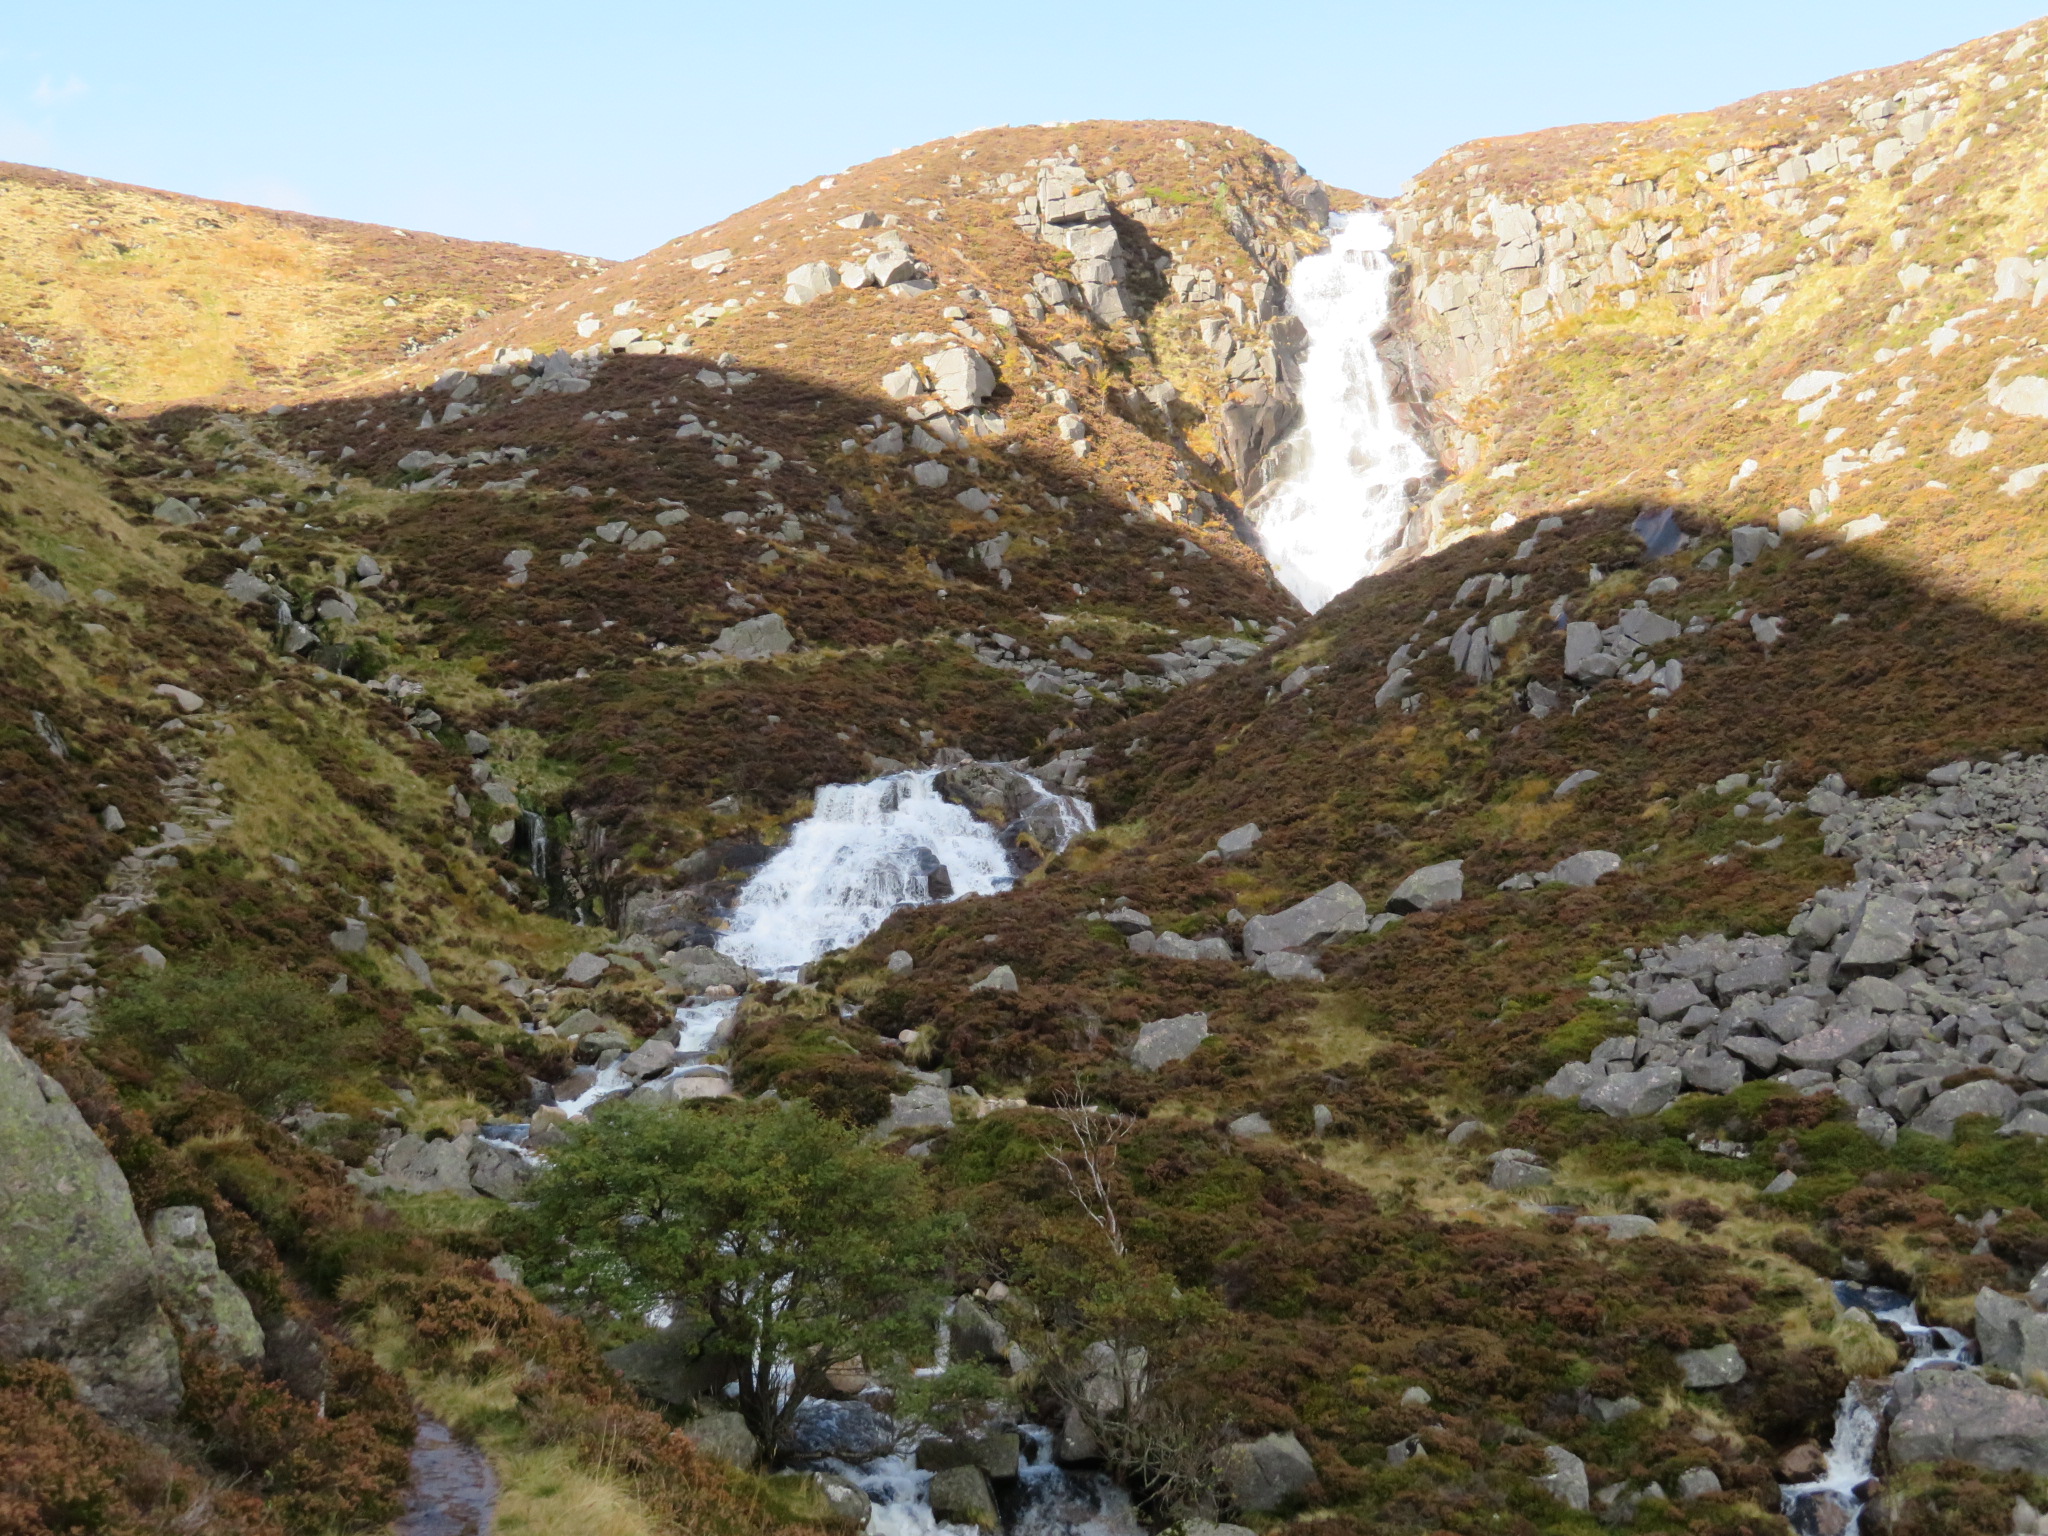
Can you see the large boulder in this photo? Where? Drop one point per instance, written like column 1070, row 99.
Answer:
column 1704, row 1369
column 962, row 1496
column 1263, row 1474
column 1434, row 885
column 196, row 1291
column 1334, row 910
column 1167, row 1040
column 976, row 1333
column 1634, row 1095
column 2012, row 1336
column 1983, row 1097
column 1566, row 1480
column 1882, row 939
column 77, row 1278
column 1958, row 1415
column 725, row 1437
column 1034, row 823
column 754, row 639
column 415, row 1166
column 673, row 1367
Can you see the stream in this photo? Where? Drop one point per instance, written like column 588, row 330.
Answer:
column 453, row 1487
column 1829, row 1505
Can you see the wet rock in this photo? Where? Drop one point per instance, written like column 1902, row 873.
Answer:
column 847, row 1506
column 1944, row 1415
column 1334, row 910
column 1167, row 1040
column 194, row 1289
column 77, row 1278
column 1261, row 1475
column 1705, row 1369
column 1434, row 885
column 962, row 1496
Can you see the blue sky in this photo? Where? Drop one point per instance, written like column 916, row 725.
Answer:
column 607, row 128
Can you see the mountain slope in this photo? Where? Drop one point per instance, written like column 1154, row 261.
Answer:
column 136, row 298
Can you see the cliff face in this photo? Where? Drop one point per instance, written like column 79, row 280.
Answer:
column 1811, row 308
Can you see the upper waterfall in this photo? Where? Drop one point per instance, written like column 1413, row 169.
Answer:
column 1338, row 514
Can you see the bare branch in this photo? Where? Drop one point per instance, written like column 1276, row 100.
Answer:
column 1087, row 1158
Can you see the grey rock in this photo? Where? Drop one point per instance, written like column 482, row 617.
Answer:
column 1883, row 936
column 724, row 1437
column 648, row 1059
column 848, row 1504
column 415, row 1166
column 1251, row 1126
column 1583, row 869
column 2029, row 1121
column 1781, row 1183
column 976, row 1333
column 1758, row 1051
column 1286, row 965
column 926, row 1105
column 1633, row 1095
column 1669, row 1002
column 1958, row 1415
column 1566, row 1480
column 999, row 979
column 1984, row 1097
column 1877, row 1125
column 754, row 639
column 961, row 378
column 1856, row 1038
column 1517, row 1169
column 77, row 1279
column 177, row 513
column 1166, row 1040
column 1573, row 782
column 497, row 1170
column 195, row 1291
column 1697, row 1482
column 1708, row 1071
column 1238, row 840
column 1334, row 910
column 2025, row 959
column 585, row 969
column 962, row 1496
column 900, row 962
column 1572, row 1079
column 1434, row 885
column 1765, row 973
column 1261, row 1475
column 2012, row 1336
column 1619, row 1228
column 1704, row 1369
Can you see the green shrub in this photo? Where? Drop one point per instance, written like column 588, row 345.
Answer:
column 262, row 1035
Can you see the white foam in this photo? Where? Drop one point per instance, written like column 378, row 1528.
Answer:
column 1339, row 513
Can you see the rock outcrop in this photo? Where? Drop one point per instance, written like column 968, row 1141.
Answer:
column 77, row 1279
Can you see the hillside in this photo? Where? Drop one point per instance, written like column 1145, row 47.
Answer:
column 133, row 298
column 1813, row 309
column 1534, row 1046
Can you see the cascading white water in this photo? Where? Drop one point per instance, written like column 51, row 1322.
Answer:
column 1861, row 1415
column 866, row 850
column 1339, row 512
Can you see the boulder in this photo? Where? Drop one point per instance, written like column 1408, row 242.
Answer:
column 1583, row 869
column 1334, row 910
column 1515, row 1168
column 812, row 280
column 1566, row 1480
column 1882, row 939
column 496, row 1169
column 1165, row 1040
column 1633, row 1095
column 1286, row 965
column 1984, row 1097
column 962, row 1496
column 1708, row 1071
column 961, row 378
column 1434, row 885
column 77, row 1278
column 648, row 1059
column 1856, row 1038
column 1697, row 1483
column 1001, row 978
column 847, row 1506
column 724, row 1437
column 1076, row 1442
column 672, row 1367
column 1959, row 1416
column 754, row 639
column 1721, row 1366
column 2012, row 1336
column 585, row 969
column 415, row 1166
column 975, row 1332
column 1238, row 840
column 1261, row 1475
column 194, row 1289
column 926, row 1105
column 1619, row 1228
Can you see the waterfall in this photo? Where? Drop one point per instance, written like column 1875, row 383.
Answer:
column 866, row 850
column 1339, row 511
column 1830, row 1504
column 536, row 844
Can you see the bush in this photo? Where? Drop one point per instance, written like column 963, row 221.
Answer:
column 262, row 1035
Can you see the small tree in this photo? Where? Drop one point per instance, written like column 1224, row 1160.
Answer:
column 778, row 1233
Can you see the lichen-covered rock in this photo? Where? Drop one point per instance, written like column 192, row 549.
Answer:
column 194, row 1289
column 77, row 1280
